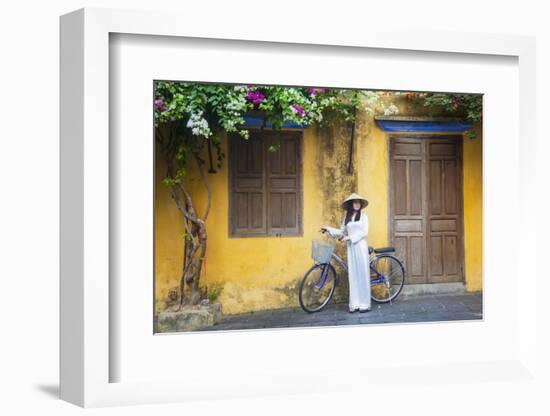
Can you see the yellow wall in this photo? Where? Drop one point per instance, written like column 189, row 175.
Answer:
column 373, row 176
column 262, row 273
column 473, row 205
column 255, row 272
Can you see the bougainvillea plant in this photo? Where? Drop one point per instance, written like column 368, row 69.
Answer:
column 191, row 116
column 463, row 106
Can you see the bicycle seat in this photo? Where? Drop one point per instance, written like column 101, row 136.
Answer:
column 383, row 250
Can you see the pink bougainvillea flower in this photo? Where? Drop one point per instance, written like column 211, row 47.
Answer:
column 316, row 91
column 159, row 105
column 256, row 97
column 298, row 109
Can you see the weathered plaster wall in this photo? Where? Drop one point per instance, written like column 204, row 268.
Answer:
column 263, row 273
column 256, row 273
column 473, row 210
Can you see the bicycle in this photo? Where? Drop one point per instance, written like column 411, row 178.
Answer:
column 387, row 276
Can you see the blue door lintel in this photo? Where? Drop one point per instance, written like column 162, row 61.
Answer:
column 421, row 124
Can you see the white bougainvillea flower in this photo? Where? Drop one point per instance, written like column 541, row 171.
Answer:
column 199, row 125
column 390, row 110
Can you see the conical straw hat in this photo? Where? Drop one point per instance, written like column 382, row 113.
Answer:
column 352, row 197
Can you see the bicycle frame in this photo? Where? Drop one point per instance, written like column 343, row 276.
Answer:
column 323, row 278
column 376, row 281
column 378, row 276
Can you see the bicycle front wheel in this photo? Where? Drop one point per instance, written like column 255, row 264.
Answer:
column 317, row 287
column 387, row 278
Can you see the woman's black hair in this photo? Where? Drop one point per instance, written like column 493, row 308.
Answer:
column 349, row 213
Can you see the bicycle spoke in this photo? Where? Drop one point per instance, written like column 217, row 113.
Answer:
column 317, row 288
column 389, row 271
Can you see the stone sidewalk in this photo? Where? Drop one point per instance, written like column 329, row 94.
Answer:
column 424, row 308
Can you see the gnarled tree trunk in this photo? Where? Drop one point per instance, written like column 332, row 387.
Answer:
column 194, row 225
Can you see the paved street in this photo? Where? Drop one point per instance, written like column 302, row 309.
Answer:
column 425, row 308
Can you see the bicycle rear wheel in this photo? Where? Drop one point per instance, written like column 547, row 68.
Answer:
column 317, row 287
column 387, row 278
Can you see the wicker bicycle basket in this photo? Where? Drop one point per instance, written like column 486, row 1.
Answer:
column 321, row 251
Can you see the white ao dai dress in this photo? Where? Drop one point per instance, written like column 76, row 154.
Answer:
column 358, row 260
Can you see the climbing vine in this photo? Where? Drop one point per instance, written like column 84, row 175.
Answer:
column 465, row 106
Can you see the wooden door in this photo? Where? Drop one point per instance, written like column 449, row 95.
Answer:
column 445, row 210
column 408, row 206
column 426, row 207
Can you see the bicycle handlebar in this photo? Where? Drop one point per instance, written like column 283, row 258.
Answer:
column 323, row 231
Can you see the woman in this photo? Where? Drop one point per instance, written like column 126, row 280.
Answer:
column 354, row 230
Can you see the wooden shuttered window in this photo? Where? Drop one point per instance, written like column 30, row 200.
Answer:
column 265, row 187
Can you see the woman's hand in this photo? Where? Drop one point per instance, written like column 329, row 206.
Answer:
column 346, row 238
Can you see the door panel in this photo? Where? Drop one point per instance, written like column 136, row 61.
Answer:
column 436, row 257
column 450, row 256
column 445, row 211
column 426, row 207
column 450, row 187
column 408, row 207
column 415, row 187
column 416, row 256
column 435, row 187
column 400, row 186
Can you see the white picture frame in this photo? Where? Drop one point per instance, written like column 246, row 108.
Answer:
column 85, row 353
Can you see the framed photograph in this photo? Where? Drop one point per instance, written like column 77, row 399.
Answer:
column 237, row 208
column 247, row 176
